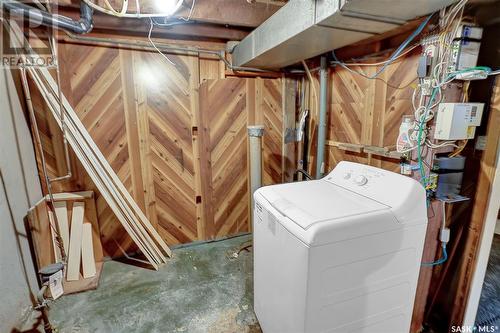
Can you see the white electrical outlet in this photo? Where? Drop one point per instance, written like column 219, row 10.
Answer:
column 457, row 121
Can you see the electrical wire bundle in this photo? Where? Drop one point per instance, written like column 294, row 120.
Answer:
column 424, row 103
column 441, row 75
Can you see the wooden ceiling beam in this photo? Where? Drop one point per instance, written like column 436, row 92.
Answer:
column 140, row 27
column 240, row 13
column 231, row 12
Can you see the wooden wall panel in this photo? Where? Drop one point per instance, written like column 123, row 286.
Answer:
column 369, row 112
column 271, row 107
column 225, row 118
column 179, row 148
column 166, row 100
column 349, row 98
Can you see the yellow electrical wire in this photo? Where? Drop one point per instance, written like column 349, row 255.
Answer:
column 459, row 149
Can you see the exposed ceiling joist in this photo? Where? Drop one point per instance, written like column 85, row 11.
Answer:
column 231, row 12
column 239, row 13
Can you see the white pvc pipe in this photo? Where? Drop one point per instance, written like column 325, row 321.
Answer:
column 323, row 107
column 255, row 155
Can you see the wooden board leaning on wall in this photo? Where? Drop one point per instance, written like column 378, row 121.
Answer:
column 148, row 127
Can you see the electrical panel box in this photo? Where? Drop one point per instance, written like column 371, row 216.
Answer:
column 465, row 47
column 457, row 121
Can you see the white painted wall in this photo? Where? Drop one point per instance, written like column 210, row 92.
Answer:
column 19, row 190
column 497, row 228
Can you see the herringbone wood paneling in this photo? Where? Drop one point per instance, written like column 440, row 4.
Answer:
column 181, row 153
column 272, row 142
column 347, row 113
column 369, row 112
column 225, row 120
column 166, row 100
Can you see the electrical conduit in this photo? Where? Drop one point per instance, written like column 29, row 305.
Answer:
column 39, row 17
column 323, row 93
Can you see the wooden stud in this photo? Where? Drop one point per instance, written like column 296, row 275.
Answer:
column 205, row 161
column 144, row 145
column 194, row 83
column 132, row 126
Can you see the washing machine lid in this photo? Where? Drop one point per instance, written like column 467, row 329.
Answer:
column 310, row 202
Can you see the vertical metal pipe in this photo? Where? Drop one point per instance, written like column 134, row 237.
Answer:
column 323, row 93
column 255, row 155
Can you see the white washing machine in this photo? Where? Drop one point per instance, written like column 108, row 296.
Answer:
column 341, row 254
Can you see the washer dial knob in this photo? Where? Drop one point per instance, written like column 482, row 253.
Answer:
column 360, row 180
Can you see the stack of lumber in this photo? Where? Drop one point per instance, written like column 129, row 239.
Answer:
column 105, row 179
column 79, row 230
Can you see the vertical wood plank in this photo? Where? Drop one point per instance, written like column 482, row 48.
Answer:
column 75, row 242
column 205, row 163
column 41, row 234
column 131, row 127
column 88, row 260
column 194, row 83
column 272, row 141
column 61, row 211
column 144, row 143
column 55, row 245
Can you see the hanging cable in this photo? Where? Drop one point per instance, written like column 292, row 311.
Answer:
column 190, row 12
column 313, row 87
column 399, row 57
column 153, row 44
column 393, row 57
column 444, row 237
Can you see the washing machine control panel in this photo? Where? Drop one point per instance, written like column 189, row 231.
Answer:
column 357, row 176
column 389, row 188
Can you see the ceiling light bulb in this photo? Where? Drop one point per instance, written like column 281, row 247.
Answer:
column 167, row 7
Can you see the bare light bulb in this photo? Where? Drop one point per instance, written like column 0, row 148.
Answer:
column 168, row 7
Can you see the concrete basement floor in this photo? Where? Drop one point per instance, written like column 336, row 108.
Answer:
column 202, row 289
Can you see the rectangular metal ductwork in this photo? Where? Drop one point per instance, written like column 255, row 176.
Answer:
column 306, row 28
